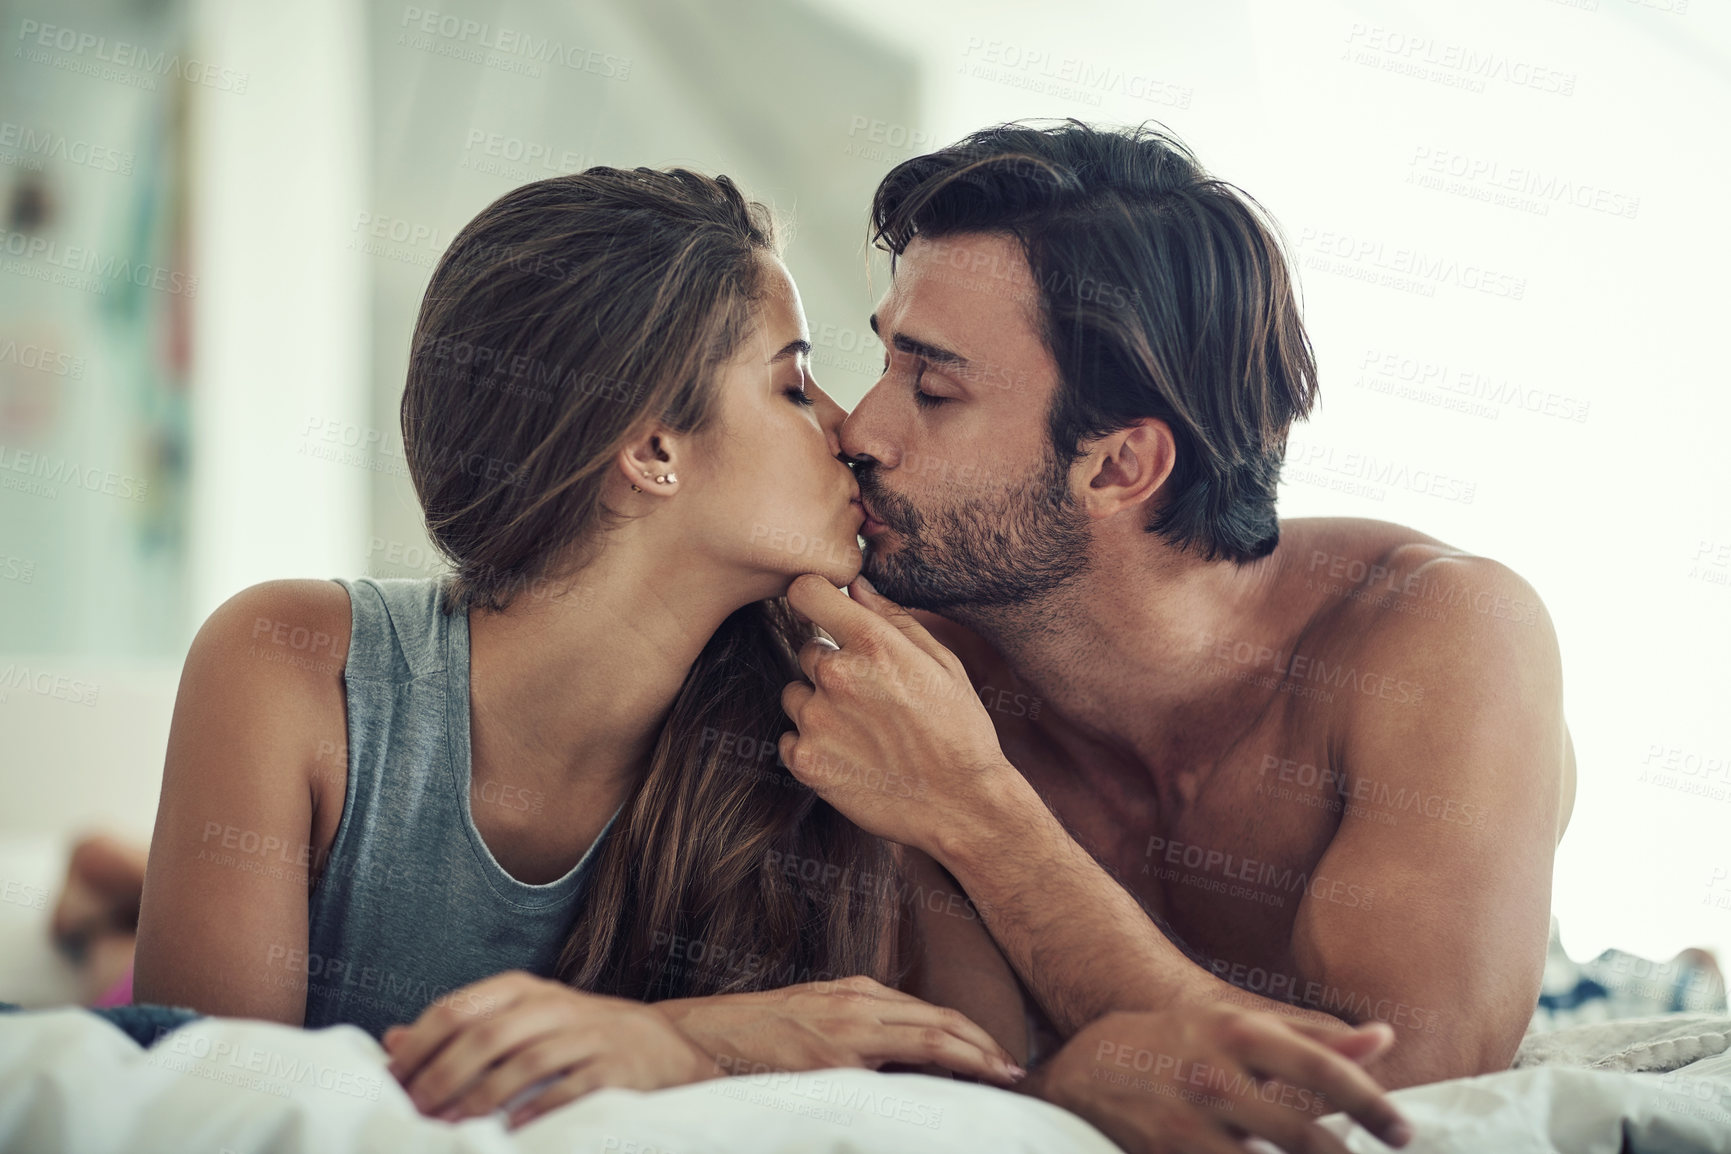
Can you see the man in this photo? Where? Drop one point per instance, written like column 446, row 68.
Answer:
column 1189, row 754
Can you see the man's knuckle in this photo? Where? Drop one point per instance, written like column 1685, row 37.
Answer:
column 830, row 673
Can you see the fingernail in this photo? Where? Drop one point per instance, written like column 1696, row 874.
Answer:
column 866, row 584
column 1399, row 1134
column 449, row 1115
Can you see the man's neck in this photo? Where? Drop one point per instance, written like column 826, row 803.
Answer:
column 1117, row 653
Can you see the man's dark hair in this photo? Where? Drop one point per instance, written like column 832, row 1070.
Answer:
column 1163, row 292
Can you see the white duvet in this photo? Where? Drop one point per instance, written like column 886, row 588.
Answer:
column 71, row 1082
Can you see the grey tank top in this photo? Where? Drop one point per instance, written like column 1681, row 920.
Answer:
column 412, row 906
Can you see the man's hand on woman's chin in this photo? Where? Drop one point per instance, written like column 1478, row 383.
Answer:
column 889, row 729
column 1201, row 1079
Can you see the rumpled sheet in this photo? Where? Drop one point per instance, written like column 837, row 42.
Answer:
column 71, row 1082
column 1660, row 1084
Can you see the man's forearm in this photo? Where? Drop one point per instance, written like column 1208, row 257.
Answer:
column 1083, row 946
column 1080, row 943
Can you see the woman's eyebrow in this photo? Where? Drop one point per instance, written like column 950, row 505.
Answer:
column 799, row 348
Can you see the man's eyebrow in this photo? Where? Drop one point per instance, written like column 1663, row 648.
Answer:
column 799, row 348
column 936, row 354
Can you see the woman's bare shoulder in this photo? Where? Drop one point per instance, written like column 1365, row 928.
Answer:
column 298, row 626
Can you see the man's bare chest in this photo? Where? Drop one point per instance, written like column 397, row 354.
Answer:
column 1223, row 853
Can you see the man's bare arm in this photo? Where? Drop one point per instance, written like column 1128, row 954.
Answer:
column 1452, row 817
column 1450, row 820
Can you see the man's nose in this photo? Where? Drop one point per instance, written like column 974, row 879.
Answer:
column 861, row 436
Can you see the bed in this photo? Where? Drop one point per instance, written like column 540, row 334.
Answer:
column 69, row 1081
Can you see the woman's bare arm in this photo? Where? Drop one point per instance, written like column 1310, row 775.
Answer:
column 223, row 923
column 956, row 963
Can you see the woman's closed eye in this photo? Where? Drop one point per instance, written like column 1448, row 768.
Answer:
column 798, row 394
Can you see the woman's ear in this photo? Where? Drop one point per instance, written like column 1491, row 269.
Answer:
column 649, row 463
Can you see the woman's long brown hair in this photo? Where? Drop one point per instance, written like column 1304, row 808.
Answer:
column 565, row 317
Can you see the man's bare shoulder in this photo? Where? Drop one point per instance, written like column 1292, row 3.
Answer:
column 1435, row 647
column 1378, row 583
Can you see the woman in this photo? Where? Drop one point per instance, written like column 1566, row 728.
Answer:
column 551, row 765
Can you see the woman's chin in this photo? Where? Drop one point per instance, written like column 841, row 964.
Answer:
column 837, row 571
column 839, row 567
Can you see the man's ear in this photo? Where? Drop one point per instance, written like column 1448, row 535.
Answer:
column 650, row 462
column 1128, row 467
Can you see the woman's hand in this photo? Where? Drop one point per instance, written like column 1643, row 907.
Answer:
column 457, row 1063
column 1199, row 1079
column 852, row 1022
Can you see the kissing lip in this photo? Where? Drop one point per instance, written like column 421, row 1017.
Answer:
column 871, row 524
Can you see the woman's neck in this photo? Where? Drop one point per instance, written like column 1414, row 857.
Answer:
column 571, row 683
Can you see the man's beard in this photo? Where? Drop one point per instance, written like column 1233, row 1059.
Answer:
column 979, row 551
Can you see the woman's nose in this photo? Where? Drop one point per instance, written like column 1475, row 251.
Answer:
column 830, row 416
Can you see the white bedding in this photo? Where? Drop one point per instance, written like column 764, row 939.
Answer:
column 71, row 1082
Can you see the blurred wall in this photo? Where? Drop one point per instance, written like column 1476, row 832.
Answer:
column 1508, row 217
column 763, row 92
